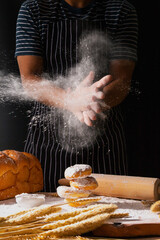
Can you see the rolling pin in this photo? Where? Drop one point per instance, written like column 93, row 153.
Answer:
column 141, row 188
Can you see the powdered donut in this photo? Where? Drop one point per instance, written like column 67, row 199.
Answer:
column 77, row 171
column 88, row 183
column 68, row 192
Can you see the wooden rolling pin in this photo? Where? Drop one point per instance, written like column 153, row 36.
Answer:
column 142, row 188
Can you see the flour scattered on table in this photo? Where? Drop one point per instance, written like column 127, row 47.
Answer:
column 8, row 207
column 136, row 209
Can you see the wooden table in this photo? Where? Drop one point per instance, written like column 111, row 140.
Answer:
column 11, row 206
column 147, row 238
column 99, row 238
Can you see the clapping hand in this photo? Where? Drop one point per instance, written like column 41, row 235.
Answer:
column 87, row 100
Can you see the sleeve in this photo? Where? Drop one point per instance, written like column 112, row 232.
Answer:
column 28, row 40
column 124, row 45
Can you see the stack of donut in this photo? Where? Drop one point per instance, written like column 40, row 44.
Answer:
column 81, row 182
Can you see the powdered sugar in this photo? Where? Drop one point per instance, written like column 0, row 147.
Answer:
column 69, row 192
column 85, row 181
column 77, row 168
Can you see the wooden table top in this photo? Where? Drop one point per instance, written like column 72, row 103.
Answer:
column 106, row 238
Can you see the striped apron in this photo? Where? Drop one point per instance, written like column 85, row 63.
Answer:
column 56, row 137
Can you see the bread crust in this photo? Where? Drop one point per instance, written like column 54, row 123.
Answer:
column 6, row 164
column 19, row 172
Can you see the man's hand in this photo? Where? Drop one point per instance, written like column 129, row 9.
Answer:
column 117, row 89
column 97, row 106
column 87, row 95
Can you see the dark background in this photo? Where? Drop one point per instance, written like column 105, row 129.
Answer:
column 142, row 106
column 13, row 116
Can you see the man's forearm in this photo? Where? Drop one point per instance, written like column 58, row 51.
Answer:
column 121, row 72
column 116, row 92
column 79, row 99
column 44, row 91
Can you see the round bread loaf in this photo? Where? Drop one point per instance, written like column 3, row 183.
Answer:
column 20, row 172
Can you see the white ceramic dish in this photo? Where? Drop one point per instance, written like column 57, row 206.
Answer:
column 27, row 200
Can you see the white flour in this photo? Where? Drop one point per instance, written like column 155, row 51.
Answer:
column 136, row 210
